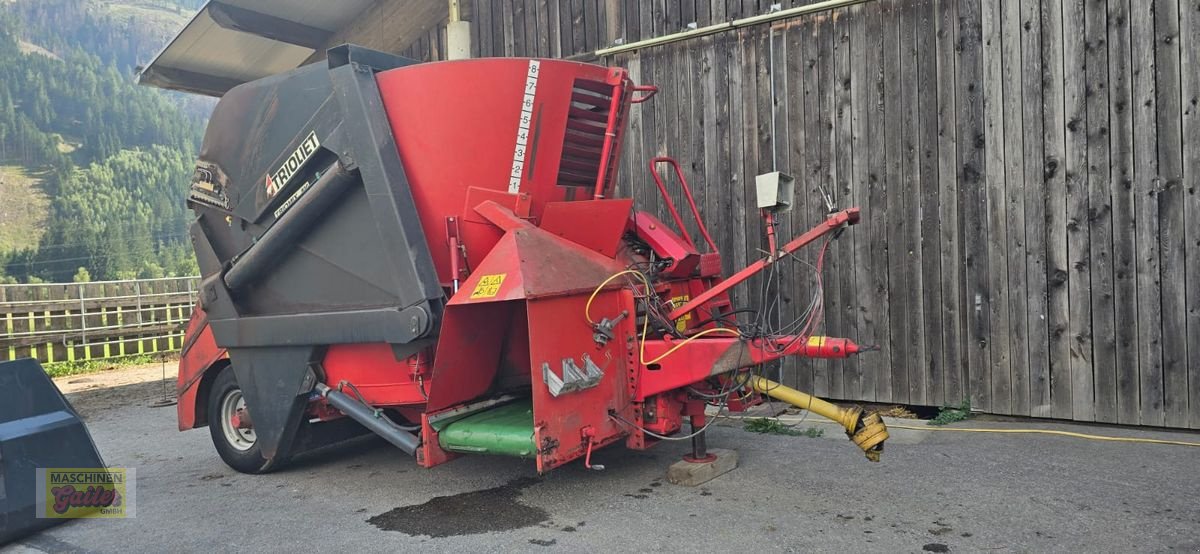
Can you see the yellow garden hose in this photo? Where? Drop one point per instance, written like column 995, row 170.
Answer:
column 1085, row 436
column 1049, row 432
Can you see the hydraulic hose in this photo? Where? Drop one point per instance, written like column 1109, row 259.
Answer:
column 371, row 419
column 867, row 431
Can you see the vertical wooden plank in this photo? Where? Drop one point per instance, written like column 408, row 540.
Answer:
column 755, row 144
column 713, row 180
column 686, row 123
column 673, row 23
column 822, row 185
column 1190, row 52
column 603, row 28
column 723, row 60
column 633, row 152
column 999, row 371
column 532, row 36
column 1146, row 185
column 1171, row 198
column 1078, row 228
column 703, row 13
column 810, row 371
column 1120, row 78
column 555, row 17
column 483, row 16
column 713, row 196
column 687, row 12
column 632, row 14
column 796, row 98
column 713, row 10
column 520, row 45
column 584, row 13
column 894, row 186
column 544, row 28
column 1035, row 209
column 506, row 36
column 910, row 203
column 477, row 30
column 1014, row 208
column 1100, row 212
column 703, row 112
column 614, row 17
column 974, row 201
column 1054, row 125
column 565, row 30
column 737, row 132
column 877, row 224
column 848, row 372
column 831, row 279
column 952, row 306
column 927, row 205
column 577, row 29
column 865, row 298
column 783, row 61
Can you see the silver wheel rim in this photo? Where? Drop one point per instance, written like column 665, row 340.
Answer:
column 240, row 439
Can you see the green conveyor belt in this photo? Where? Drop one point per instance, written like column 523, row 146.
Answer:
column 506, row 430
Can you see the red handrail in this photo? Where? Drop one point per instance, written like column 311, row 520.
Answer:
column 650, row 91
column 687, row 192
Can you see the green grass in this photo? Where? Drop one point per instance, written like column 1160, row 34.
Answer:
column 80, row 367
column 775, row 427
column 952, row 414
column 24, row 209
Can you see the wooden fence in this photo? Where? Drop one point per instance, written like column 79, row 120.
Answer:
column 60, row 322
column 1027, row 170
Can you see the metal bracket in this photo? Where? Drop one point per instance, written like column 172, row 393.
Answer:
column 573, row 378
column 603, row 331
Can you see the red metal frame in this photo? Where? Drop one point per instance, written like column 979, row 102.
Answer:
column 687, row 191
column 832, row 223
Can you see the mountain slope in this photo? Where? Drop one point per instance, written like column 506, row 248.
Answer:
column 115, row 159
column 24, row 209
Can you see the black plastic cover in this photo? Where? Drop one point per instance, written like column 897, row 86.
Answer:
column 38, row 429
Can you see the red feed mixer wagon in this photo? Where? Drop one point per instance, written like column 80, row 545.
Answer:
column 432, row 252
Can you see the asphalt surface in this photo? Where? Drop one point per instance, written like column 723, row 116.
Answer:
column 933, row 492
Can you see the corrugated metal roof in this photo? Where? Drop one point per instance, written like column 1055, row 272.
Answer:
column 230, row 42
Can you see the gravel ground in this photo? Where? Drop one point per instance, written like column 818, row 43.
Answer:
column 933, row 492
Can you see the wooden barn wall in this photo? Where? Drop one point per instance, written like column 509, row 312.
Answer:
column 1027, row 171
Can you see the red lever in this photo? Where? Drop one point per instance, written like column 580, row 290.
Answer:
column 590, row 434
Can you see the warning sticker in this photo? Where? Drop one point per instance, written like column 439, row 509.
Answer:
column 489, row 286
column 682, row 323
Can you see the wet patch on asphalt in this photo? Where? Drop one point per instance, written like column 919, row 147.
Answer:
column 469, row 513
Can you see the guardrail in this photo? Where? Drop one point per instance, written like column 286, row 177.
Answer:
column 60, row 322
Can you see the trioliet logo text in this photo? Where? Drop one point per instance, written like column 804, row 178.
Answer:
column 280, row 177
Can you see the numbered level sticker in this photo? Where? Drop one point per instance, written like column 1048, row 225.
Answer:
column 489, row 286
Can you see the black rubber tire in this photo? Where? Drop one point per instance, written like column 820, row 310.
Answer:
column 246, row 461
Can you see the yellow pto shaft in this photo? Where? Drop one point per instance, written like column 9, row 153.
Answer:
column 866, row 431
